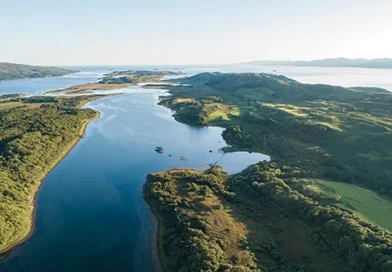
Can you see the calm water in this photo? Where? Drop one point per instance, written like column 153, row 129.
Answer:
column 40, row 85
column 91, row 215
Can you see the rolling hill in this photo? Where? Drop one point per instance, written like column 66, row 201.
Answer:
column 10, row 71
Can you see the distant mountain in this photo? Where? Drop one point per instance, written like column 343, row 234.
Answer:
column 10, row 71
column 331, row 62
column 371, row 89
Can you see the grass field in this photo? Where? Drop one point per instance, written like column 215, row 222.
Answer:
column 218, row 111
column 369, row 205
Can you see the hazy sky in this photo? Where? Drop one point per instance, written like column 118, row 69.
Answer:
column 191, row 31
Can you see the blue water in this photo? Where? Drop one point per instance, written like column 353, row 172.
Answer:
column 91, row 215
column 38, row 86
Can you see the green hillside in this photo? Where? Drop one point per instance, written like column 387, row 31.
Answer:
column 314, row 133
column 9, row 71
column 339, row 133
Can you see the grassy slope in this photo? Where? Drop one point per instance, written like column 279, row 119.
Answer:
column 35, row 134
column 10, row 71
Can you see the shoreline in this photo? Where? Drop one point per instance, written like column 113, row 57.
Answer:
column 7, row 250
column 156, row 254
column 156, row 250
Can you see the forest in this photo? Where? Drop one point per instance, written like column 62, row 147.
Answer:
column 259, row 220
column 35, row 134
column 315, row 134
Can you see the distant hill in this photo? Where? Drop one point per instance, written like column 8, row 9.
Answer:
column 331, row 62
column 269, row 87
column 371, row 90
column 10, row 71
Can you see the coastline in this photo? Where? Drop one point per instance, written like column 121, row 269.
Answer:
column 155, row 248
column 157, row 256
column 7, row 250
column 159, row 263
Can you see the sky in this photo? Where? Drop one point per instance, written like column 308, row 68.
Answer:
column 121, row 32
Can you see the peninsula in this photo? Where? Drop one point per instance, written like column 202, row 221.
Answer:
column 10, row 71
column 322, row 201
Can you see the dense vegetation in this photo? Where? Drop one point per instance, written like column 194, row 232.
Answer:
column 263, row 218
column 361, row 245
column 35, row 133
column 207, row 226
column 335, row 132
column 10, row 71
column 312, row 132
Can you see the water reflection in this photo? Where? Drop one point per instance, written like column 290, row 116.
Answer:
column 91, row 215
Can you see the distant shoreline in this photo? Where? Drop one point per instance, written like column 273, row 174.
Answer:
column 15, row 71
column 384, row 63
column 27, row 78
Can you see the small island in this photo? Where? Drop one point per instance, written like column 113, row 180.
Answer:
column 159, row 149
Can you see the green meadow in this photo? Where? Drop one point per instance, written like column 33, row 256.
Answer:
column 369, row 205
